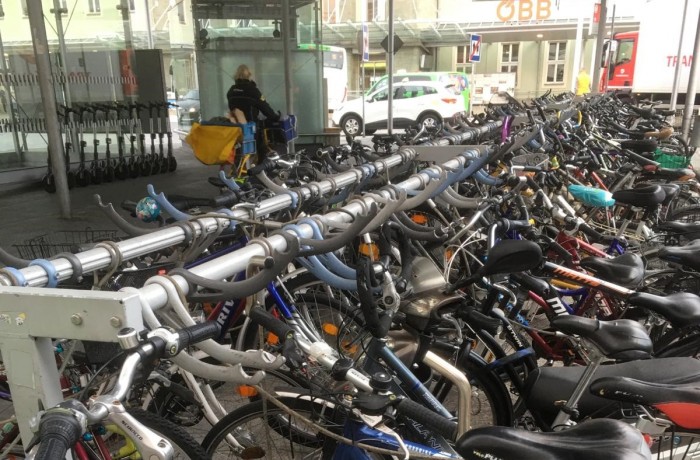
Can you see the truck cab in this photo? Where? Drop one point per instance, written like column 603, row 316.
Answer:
column 619, row 58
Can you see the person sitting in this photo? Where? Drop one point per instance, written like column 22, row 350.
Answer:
column 246, row 103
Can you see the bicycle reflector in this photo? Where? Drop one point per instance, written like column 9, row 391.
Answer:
column 369, row 250
column 246, row 391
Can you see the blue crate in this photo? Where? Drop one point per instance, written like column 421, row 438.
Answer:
column 248, row 146
column 286, row 127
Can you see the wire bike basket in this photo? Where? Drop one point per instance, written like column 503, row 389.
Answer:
column 50, row 244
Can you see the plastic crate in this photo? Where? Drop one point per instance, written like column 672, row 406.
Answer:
column 285, row 129
column 248, row 147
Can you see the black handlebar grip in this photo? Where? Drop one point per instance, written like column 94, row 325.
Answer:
column 58, row 432
column 267, row 320
column 591, row 232
column 198, row 333
column 225, row 200
column 424, row 416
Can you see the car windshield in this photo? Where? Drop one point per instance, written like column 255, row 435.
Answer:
column 192, row 94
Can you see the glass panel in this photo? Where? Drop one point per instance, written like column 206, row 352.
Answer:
column 505, row 53
column 505, row 68
column 460, row 54
column 515, row 50
column 551, row 72
column 562, row 51
column 560, row 73
column 624, row 51
column 552, row 51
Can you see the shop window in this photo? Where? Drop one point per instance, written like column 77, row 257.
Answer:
column 510, row 55
column 462, row 61
column 556, row 62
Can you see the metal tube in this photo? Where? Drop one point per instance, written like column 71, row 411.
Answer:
column 595, row 83
column 460, row 380
column 677, row 72
column 692, row 85
column 612, row 35
column 577, row 52
column 287, row 54
column 53, row 130
column 149, row 27
column 390, row 69
column 58, row 11
column 100, row 258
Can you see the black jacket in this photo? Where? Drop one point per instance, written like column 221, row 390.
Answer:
column 246, row 97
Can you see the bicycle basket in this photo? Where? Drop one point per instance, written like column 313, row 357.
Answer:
column 48, row 245
column 667, row 159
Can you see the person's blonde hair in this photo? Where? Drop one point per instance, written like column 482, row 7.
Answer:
column 242, row 73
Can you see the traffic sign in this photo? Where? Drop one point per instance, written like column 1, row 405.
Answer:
column 365, row 43
column 475, row 48
column 398, row 43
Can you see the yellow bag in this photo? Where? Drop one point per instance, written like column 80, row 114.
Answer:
column 214, row 144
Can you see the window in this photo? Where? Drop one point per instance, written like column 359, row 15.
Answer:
column 132, row 5
column 510, row 55
column 624, row 51
column 25, row 12
column 556, row 59
column 376, row 10
column 462, row 58
column 181, row 11
column 94, row 6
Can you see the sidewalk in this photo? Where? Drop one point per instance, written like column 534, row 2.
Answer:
column 28, row 211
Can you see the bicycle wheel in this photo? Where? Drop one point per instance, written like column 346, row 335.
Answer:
column 184, row 445
column 265, row 431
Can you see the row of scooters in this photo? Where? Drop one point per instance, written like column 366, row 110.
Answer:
column 134, row 158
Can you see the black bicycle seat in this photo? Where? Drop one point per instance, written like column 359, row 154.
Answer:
column 621, row 339
column 592, row 440
column 643, row 197
column 625, row 270
column 690, row 230
column 646, row 393
column 682, row 309
column 688, row 255
column 671, row 191
column 674, row 173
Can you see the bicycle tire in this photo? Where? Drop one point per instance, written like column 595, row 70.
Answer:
column 181, row 440
column 281, row 432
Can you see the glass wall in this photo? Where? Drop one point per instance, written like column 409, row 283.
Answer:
column 99, row 55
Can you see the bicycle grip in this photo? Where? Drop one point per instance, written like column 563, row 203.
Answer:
column 198, row 333
column 424, row 416
column 481, row 321
column 58, row 432
column 591, row 232
column 273, row 324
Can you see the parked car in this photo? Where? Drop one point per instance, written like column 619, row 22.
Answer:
column 426, row 103
column 459, row 79
column 189, row 107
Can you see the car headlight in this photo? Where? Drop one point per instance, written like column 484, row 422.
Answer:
column 192, row 109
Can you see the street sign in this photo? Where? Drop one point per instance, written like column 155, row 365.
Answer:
column 397, row 43
column 475, row 48
column 365, row 43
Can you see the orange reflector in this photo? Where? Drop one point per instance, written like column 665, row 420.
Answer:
column 352, row 349
column 369, row 250
column 246, row 391
column 272, row 339
column 420, row 219
column 330, row 329
column 448, row 254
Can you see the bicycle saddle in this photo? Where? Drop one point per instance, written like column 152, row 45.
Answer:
column 626, row 270
column 690, row 230
column 674, row 173
column 688, row 255
column 682, row 309
column 591, row 440
column 671, row 191
column 643, row 197
column 681, row 403
column 621, row 339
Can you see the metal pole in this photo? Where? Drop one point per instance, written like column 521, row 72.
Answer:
column 692, row 85
column 53, row 131
column 390, row 69
column 595, row 82
column 362, row 88
column 68, row 100
column 287, row 52
column 320, row 65
column 577, row 52
column 8, row 95
column 149, row 28
column 612, row 35
column 677, row 72
column 126, row 22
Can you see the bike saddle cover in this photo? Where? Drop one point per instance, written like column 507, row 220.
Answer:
column 682, row 309
column 547, row 385
column 643, row 197
column 621, row 339
column 592, row 196
column 681, row 403
column 689, row 230
column 688, row 255
column 626, row 270
column 592, row 440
